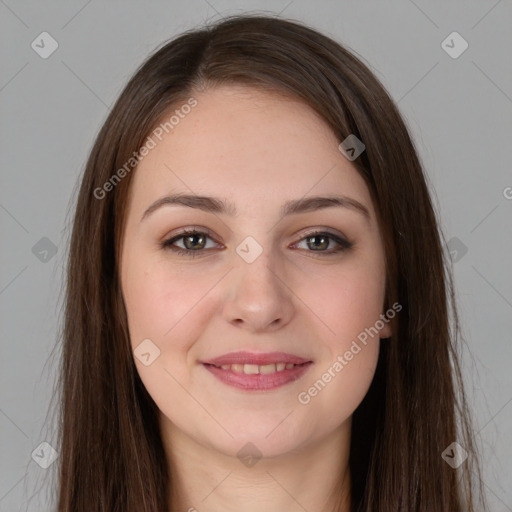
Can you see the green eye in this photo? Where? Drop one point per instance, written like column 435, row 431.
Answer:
column 324, row 240
column 191, row 238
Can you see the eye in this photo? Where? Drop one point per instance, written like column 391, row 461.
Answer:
column 194, row 241
column 322, row 239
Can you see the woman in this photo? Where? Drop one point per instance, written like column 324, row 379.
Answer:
column 257, row 310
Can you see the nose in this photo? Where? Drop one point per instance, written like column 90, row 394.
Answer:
column 258, row 298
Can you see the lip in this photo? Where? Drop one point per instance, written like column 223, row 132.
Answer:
column 258, row 382
column 244, row 357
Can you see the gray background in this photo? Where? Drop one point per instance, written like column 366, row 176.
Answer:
column 459, row 111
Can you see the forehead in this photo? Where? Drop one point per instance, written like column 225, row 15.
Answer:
column 250, row 145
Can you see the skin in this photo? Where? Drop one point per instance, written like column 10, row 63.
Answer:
column 257, row 150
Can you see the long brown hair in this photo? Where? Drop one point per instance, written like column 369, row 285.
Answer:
column 111, row 453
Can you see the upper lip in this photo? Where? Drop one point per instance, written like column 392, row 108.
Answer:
column 254, row 358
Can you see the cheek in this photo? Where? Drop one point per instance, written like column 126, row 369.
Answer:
column 337, row 388
column 348, row 302
column 163, row 306
column 166, row 310
column 170, row 307
column 349, row 305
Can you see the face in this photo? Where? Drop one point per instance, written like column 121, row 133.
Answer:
column 284, row 287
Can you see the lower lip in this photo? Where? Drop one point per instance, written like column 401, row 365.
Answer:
column 258, row 381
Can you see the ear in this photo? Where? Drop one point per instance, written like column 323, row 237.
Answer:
column 385, row 332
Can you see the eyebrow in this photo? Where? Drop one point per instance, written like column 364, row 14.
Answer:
column 292, row 207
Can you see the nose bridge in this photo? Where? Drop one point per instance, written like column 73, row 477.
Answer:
column 256, row 272
column 258, row 296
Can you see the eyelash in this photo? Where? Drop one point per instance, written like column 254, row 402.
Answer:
column 344, row 245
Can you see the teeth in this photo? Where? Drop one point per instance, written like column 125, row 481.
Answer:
column 250, row 369
column 267, row 368
column 254, row 369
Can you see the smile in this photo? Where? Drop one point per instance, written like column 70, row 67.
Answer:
column 253, row 369
column 253, row 377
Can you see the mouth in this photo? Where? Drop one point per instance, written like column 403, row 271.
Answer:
column 255, row 369
column 257, row 372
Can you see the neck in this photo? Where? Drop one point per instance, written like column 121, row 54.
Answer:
column 312, row 478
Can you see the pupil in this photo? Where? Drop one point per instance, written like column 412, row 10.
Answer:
column 320, row 237
column 191, row 237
